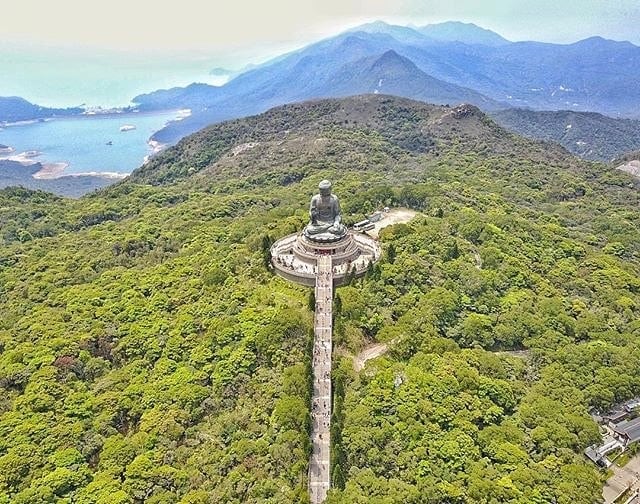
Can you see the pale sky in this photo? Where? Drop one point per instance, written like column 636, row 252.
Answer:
column 70, row 52
column 261, row 28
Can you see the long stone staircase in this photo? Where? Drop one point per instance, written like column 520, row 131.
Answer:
column 319, row 466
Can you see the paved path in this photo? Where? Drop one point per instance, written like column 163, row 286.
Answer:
column 319, row 470
column 622, row 478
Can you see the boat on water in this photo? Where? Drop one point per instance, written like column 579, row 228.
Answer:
column 127, row 127
column 110, row 142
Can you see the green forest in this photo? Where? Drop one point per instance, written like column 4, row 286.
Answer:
column 148, row 354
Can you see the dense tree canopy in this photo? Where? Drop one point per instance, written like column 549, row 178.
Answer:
column 147, row 354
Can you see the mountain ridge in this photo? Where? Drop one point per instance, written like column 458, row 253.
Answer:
column 588, row 135
column 534, row 75
column 469, row 33
column 392, row 74
column 413, row 125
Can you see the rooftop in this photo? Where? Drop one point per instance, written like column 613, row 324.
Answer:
column 629, row 428
column 614, row 416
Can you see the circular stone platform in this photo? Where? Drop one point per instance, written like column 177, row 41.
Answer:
column 323, row 238
column 294, row 257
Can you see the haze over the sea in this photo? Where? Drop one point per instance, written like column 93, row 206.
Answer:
column 105, row 78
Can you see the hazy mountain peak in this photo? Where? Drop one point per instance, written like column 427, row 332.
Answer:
column 373, row 26
column 392, row 56
column 468, row 33
column 400, row 33
column 598, row 41
column 484, row 69
column 353, row 38
column 391, row 64
column 219, row 71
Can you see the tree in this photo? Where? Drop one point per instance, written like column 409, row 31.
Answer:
column 311, row 301
column 267, row 241
column 391, row 253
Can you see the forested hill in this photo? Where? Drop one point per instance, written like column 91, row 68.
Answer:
column 585, row 134
column 311, row 132
column 148, row 355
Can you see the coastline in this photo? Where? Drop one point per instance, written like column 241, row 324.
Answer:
column 157, row 147
column 26, row 158
column 104, row 175
column 51, row 171
column 180, row 113
column 48, row 170
column 6, row 124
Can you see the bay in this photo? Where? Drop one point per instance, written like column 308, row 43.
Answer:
column 89, row 144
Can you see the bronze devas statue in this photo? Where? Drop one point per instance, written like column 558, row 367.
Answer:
column 326, row 216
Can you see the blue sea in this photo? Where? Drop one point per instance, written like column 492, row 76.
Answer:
column 82, row 141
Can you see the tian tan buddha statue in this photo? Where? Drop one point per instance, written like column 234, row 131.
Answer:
column 326, row 216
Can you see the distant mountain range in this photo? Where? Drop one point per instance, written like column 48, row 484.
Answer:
column 467, row 33
column 14, row 109
column 444, row 63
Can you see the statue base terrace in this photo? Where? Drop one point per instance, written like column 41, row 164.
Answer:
column 295, row 257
